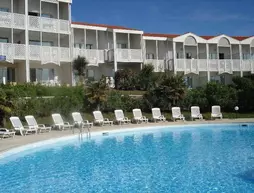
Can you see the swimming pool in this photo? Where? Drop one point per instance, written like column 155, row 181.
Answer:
column 214, row 158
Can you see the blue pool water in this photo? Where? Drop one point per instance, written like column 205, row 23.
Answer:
column 217, row 158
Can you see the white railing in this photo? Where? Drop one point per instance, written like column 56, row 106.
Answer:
column 213, row 65
column 179, row 65
column 94, row 56
column 237, row 65
column 225, row 66
column 48, row 54
column 159, row 65
column 129, row 55
column 12, row 20
column 19, row 51
column 247, row 65
column 48, row 25
column 202, row 64
column 13, row 51
column 191, row 66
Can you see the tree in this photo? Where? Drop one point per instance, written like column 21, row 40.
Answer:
column 6, row 105
column 79, row 65
column 96, row 92
column 170, row 92
column 146, row 77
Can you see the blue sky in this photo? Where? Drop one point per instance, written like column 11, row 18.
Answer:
column 203, row 17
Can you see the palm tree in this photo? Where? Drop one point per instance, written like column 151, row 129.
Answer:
column 79, row 65
column 96, row 92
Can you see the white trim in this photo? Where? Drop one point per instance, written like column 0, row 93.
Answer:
column 80, row 26
column 182, row 38
column 127, row 31
column 155, row 38
column 248, row 40
column 216, row 40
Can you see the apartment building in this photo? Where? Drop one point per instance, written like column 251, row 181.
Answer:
column 38, row 43
column 35, row 41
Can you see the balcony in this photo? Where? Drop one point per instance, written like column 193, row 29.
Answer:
column 13, row 51
column 48, row 54
column 94, row 56
column 48, row 25
column 159, row 65
column 12, row 20
column 221, row 66
column 129, row 55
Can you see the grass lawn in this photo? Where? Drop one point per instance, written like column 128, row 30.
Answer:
column 111, row 116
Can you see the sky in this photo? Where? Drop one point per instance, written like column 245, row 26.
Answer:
column 202, row 17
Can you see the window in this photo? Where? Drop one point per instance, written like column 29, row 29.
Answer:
column 246, row 56
column 188, row 55
column 33, row 13
column 188, row 81
column 212, row 56
column 4, row 40
column 89, row 46
column 4, row 9
column 41, row 74
column 150, row 56
column 221, row 56
column 90, row 73
column 121, row 46
column 47, row 43
column 46, row 15
column 11, row 75
column 34, row 42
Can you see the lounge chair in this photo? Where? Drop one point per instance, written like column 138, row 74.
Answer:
column 216, row 112
column 176, row 114
column 32, row 123
column 59, row 123
column 77, row 118
column 120, row 118
column 18, row 127
column 195, row 113
column 138, row 117
column 99, row 119
column 157, row 116
column 5, row 133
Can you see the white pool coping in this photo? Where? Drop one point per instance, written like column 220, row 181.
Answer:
column 37, row 146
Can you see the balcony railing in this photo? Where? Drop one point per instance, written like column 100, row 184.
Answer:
column 12, row 51
column 129, row 55
column 48, row 25
column 48, row 54
column 12, row 20
column 159, row 65
column 213, row 65
column 94, row 56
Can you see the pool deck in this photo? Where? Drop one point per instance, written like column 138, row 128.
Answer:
column 9, row 143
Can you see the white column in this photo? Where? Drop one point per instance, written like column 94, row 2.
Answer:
column 129, row 47
column 218, row 58
column 197, row 58
column 27, row 43
column 97, row 46
column 241, row 58
column 144, row 52
column 115, row 51
column 85, row 43
column 174, row 57
column 108, row 46
column 40, row 30
column 141, row 47
column 184, row 57
column 12, row 22
column 58, row 17
column 231, row 58
column 208, row 66
column 157, row 56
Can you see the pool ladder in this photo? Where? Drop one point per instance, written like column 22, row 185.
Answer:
column 82, row 128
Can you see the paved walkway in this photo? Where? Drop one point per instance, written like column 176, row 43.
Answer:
column 6, row 144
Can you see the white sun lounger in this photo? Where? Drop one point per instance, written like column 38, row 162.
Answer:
column 5, row 133
column 18, row 126
column 176, row 114
column 77, row 118
column 138, row 117
column 59, row 123
column 157, row 116
column 32, row 123
column 195, row 113
column 216, row 112
column 99, row 119
column 120, row 118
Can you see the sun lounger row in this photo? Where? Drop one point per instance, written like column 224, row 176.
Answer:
column 34, row 127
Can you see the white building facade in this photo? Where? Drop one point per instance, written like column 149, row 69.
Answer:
column 38, row 43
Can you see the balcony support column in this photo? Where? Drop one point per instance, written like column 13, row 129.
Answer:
column 197, row 59
column 174, row 57
column 85, row 43
column 27, row 43
column 141, row 47
column 115, row 51
column 97, row 46
column 241, row 58
column 208, row 66
column 144, row 51
column 129, row 47
column 157, row 55
column 108, row 46
column 184, row 57
column 231, row 58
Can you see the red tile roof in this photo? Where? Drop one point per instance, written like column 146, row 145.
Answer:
column 241, row 38
column 161, row 35
column 104, row 25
